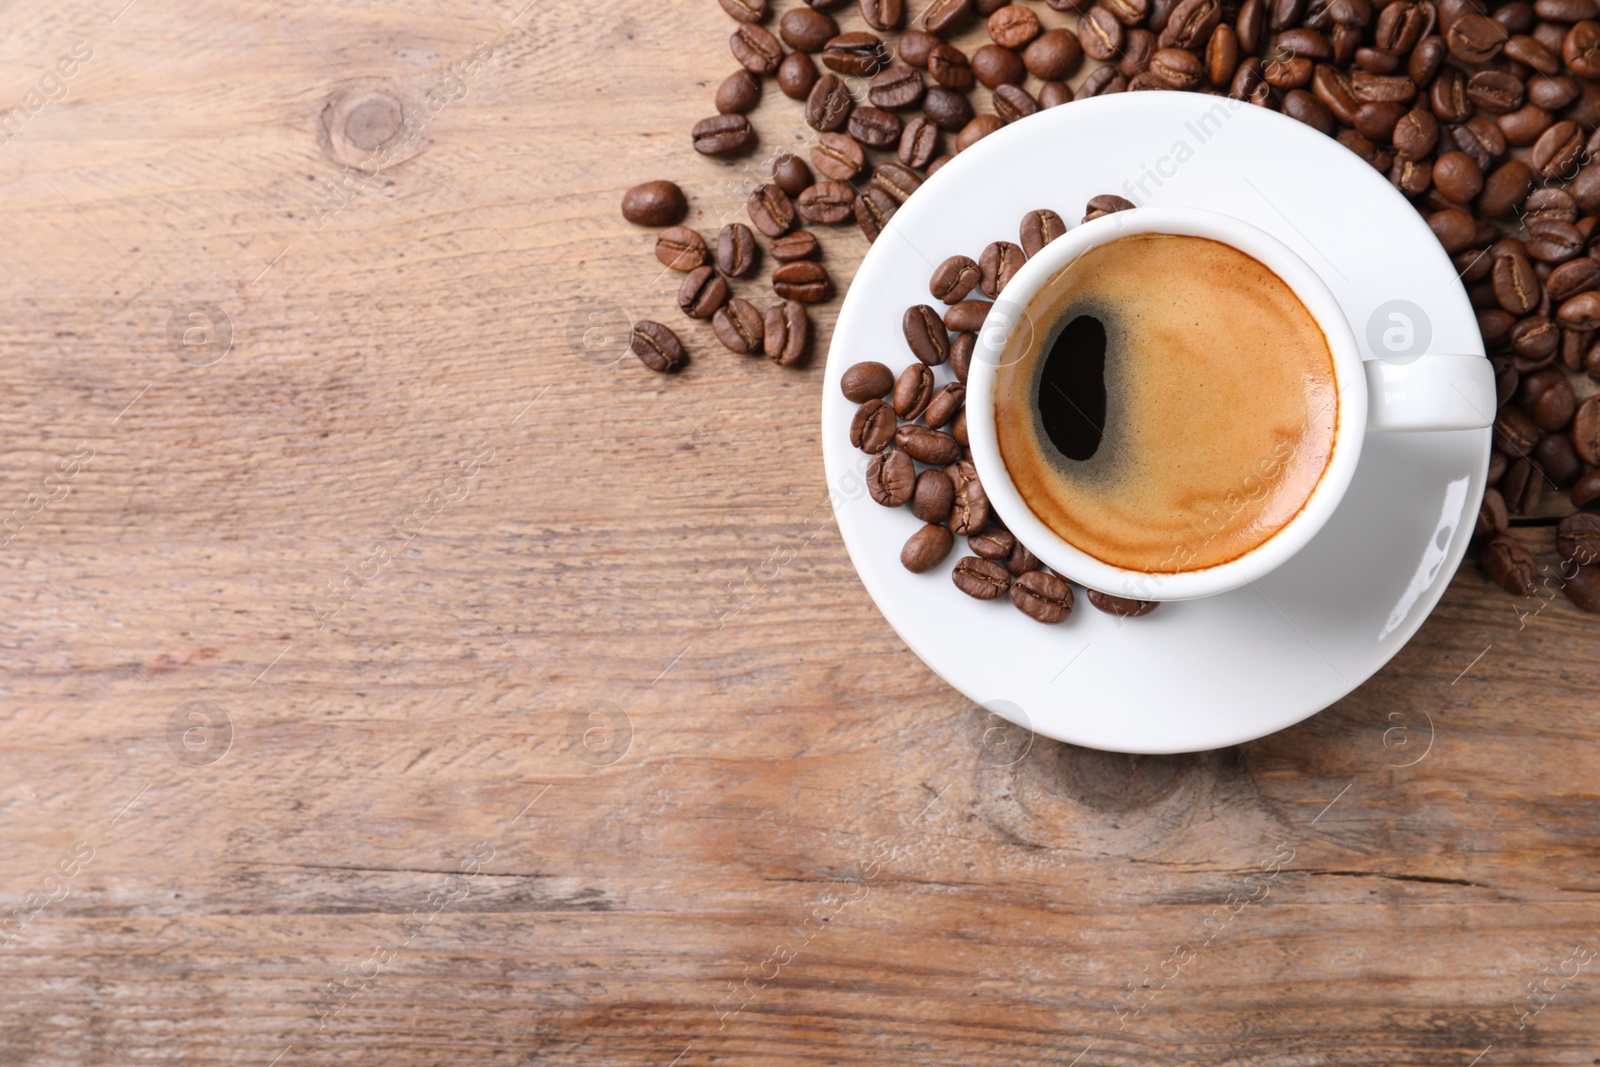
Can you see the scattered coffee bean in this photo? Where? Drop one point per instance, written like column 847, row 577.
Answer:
column 1586, row 429
column 829, row 104
column 926, row 549
column 1125, row 607
column 787, row 333
column 657, row 203
column 790, row 173
column 680, row 248
column 891, row 478
column 838, row 156
column 873, row 427
column 806, row 29
column 961, row 349
column 926, row 335
column 954, row 279
column 1578, row 537
column 1041, row 596
column 738, row 94
column 927, row 445
column 1492, row 515
column 736, row 250
column 1509, row 565
column 1583, row 588
column 1105, row 204
column 1038, row 229
column 944, row 406
column 981, row 578
column 723, row 135
column 1586, row 490
column 867, row 380
column 883, row 15
column 1054, row 55
column 826, row 202
column 801, row 244
column 912, row 391
column 966, row 316
column 896, row 88
column 1013, row 26
column 873, row 209
column 770, row 208
column 804, row 280
column 739, row 326
column 896, row 181
column 933, row 496
column 997, row 265
column 797, row 76
column 875, row 127
column 657, row 347
column 1021, row 560
column 745, row 10
column 858, row 53
column 946, row 108
column 970, row 512
column 703, row 291
column 991, row 542
column 756, row 49
column 994, row 66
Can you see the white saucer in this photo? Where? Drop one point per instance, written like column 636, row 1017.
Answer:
column 1207, row 673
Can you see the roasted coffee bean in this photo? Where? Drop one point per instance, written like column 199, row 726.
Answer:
column 1400, row 25
column 1586, row 490
column 943, row 15
column 1304, row 107
column 1191, row 23
column 1138, row 48
column 1099, row 34
column 980, row 578
column 1251, row 24
column 927, row 445
column 891, row 478
column 994, row 66
column 1475, row 39
column 1554, row 93
column 722, row 135
column 1020, row 561
column 1581, row 312
column 991, row 542
column 1054, row 55
column 825, row 202
column 657, row 347
column 914, row 47
column 739, row 326
column 1363, row 148
column 896, row 88
column 958, row 427
column 770, row 208
column 1574, row 348
column 1522, row 486
column 919, row 142
column 756, row 49
column 966, row 316
column 875, row 127
column 1013, row 26
column 801, row 244
column 944, row 405
column 1291, row 72
column 736, row 250
column 883, row 15
column 1492, row 515
column 997, row 265
column 797, row 76
column 867, row 380
column 1575, row 277
column 873, row 209
column 745, row 10
column 912, row 391
column 1534, row 339
column 933, row 496
column 1222, row 57
column 807, row 30
column 1042, row 596
column 1558, row 459
column 1377, row 88
column 946, row 108
column 873, row 427
column 1415, row 134
column 803, row 280
column 949, row 66
column 1102, row 81
column 1125, row 607
column 829, row 104
column 962, row 346
column 838, row 156
column 980, row 127
column 1505, row 188
column 897, row 181
column 1496, row 91
column 1128, row 12
column 1284, row 14
column 657, row 203
column 1012, row 102
column 1506, row 377
column 1105, row 204
column 1515, row 432
column 970, row 512
column 1312, row 45
column 1426, row 59
column 1455, row 229
column 1558, row 152
column 1176, row 68
column 1525, row 125
column 786, row 335
column 1516, row 288
column 1038, row 229
column 703, row 291
column 1532, row 52
column 926, row 335
column 790, row 173
column 1497, row 467
column 954, row 279
column 1586, row 429
column 1457, row 177
column 926, row 549
column 1447, row 96
column 1508, row 565
column 680, row 248
column 859, row 54
column 1583, row 588
column 739, row 93
column 1581, row 49
column 1412, row 179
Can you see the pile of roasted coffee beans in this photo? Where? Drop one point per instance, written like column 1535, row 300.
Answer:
column 915, row 430
column 1484, row 114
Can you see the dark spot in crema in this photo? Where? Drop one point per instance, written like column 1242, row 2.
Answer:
column 1072, row 388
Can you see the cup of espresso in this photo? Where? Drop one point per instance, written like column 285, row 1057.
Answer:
column 1169, row 403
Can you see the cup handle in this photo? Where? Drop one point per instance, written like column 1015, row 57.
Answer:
column 1430, row 392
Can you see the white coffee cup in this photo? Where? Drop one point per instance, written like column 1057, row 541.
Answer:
column 1412, row 393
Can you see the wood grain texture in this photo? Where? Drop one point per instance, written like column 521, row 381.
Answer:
column 390, row 838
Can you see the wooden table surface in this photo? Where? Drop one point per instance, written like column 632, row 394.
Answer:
column 394, row 675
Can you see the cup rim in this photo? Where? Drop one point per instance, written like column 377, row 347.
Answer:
column 1349, row 383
